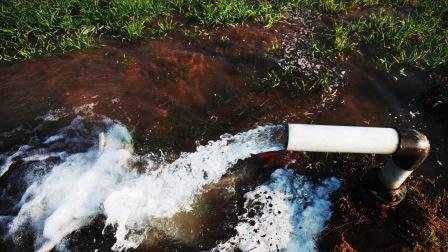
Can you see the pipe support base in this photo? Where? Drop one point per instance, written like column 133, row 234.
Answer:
column 374, row 193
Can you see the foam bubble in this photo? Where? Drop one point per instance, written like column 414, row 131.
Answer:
column 286, row 213
column 53, row 115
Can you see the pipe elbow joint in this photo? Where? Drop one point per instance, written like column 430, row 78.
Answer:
column 412, row 150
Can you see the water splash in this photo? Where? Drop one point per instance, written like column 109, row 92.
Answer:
column 71, row 194
column 9, row 160
column 285, row 214
column 173, row 190
column 102, row 181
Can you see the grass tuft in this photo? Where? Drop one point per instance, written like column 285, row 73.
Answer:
column 342, row 40
column 164, row 27
column 291, row 80
column 274, row 48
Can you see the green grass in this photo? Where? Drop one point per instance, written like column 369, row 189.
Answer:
column 416, row 38
column 44, row 27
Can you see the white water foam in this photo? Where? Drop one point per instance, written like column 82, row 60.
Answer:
column 9, row 160
column 98, row 181
column 53, row 115
column 285, row 214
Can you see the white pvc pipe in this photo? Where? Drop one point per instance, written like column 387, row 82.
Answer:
column 343, row 139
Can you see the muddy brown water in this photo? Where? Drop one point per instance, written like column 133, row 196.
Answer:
column 172, row 93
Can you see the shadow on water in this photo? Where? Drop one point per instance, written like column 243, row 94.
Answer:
column 171, row 93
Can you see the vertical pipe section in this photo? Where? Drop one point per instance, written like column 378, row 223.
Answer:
column 409, row 148
column 412, row 151
column 393, row 176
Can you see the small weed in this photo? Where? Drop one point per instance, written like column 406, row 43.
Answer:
column 342, row 40
column 386, row 63
column 134, row 29
column 324, row 80
column 291, row 80
column 123, row 62
column 317, row 47
column 164, row 28
column 195, row 34
column 274, row 48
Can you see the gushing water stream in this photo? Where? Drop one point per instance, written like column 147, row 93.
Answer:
column 287, row 212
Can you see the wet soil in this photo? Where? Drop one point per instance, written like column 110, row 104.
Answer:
column 175, row 91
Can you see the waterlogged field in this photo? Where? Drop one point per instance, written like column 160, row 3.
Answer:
column 155, row 125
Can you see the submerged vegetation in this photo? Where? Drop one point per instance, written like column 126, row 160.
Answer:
column 398, row 33
column 410, row 32
column 289, row 79
column 42, row 27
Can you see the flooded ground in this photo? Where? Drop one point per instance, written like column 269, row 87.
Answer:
column 177, row 92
